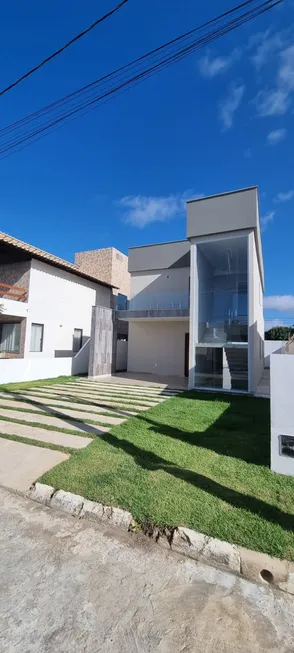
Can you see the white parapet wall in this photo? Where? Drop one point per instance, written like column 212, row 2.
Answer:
column 282, row 413
column 16, row 370
column 272, row 347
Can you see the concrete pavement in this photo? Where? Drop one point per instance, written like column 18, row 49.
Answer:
column 21, row 464
column 67, row 585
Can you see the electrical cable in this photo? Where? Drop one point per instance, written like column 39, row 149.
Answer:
column 64, row 47
column 85, row 99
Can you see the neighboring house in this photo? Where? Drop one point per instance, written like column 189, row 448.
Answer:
column 196, row 306
column 45, row 321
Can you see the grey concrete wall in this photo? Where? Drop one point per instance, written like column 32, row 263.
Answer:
column 221, row 213
column 160, row 257
column 103, row 342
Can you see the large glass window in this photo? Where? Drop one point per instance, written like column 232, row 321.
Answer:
column 10, row 337
column 223, row 291
column 225, row 368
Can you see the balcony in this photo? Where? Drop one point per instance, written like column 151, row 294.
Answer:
column 162, row 305
column 13, row 292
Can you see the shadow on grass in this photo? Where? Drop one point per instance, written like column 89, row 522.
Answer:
column 242, row 431
column 150, row 461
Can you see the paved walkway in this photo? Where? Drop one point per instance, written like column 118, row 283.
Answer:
column 21, row 464
column 69, row 586
column 65, row 415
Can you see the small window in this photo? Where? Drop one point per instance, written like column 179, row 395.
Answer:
column 287, row 445
column 10, row 337
column 77, row 340
column 37, row 334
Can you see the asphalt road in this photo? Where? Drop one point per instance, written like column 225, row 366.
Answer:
column 70, row 587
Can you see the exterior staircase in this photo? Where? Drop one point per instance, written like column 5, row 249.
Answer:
column 237, row 360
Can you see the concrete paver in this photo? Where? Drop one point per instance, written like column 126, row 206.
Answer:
column 56, row 422
column 133, row 390
column 21, row 464
column 62, row 410
column 68, row 585
column 75, row 390
column 44, row 435
column 55, row 400
column 76, row 394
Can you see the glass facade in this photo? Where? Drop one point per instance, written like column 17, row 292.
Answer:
column 221, row 346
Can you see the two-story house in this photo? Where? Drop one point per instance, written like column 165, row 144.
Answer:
column 46, row 311
column 196, row 306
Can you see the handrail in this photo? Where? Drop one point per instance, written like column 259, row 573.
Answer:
column 17, row 293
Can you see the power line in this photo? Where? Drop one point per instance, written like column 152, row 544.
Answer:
column 36, row 125
column 64, row 47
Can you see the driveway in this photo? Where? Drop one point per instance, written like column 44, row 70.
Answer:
column 41, row 426
column 70, row 586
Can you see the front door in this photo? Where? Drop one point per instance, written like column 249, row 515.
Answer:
column 186, row 354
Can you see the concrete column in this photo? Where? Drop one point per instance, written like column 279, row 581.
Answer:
column 103, row 335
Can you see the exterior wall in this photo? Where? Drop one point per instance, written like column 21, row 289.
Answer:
column 103, row 338
column 272, row 347
column 120, row 275
column 157, row 347
column 16, row 274
column 108, row 265
column 159, row 257
column 162, row 287
column 32, row 369
column 282, row 410
column 256, row 320
column 61, row 301
column 222, row 213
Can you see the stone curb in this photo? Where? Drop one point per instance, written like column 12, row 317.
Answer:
column 252, row 565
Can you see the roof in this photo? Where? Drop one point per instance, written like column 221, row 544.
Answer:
column 228, row 192
column 39, row 254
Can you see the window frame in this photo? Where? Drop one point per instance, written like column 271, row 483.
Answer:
column 37, row 351
column 11, row 351
column 75, row 351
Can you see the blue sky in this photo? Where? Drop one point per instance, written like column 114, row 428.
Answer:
column 219, row 120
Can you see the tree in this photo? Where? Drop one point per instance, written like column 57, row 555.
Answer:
column 279, row 333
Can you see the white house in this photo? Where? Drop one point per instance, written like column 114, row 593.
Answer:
column 196, row 306
column 46, row 311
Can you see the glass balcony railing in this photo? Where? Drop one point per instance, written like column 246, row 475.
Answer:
column 159, row 301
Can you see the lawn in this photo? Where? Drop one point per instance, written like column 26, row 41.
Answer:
column 199, row 460
column 26, row 385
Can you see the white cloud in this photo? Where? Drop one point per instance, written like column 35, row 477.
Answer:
column 142, row 210
column 279, row 302
column 284, row 197
column 267, row 45
column 286, row 71
column 272, row 103
column 210, row 67
column 277, row 101
column 266, row 219
column 276, row 136
column 230, row 105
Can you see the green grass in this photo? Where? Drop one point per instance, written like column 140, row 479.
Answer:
column 26, row 385
column 199, row 460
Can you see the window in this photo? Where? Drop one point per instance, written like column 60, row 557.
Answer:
column 37, row 334
column 10, row 336
column 77, row 340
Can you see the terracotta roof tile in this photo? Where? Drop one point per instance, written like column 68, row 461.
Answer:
column 48, row 258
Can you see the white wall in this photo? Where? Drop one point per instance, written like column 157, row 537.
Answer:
column 15, row 370
column 157, row 347
column 12, row 307
column 282, row 409
column 62, row 302
column 256, row 320
column 159, row 285
column 272, row 347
